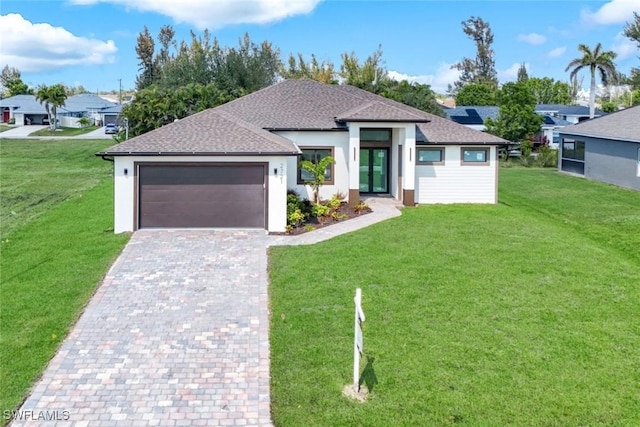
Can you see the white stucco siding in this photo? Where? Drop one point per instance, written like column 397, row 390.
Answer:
column 340, row 143
column 457, row 183
column 125, row 191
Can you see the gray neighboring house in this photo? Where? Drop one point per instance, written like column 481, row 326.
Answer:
column 474, row 117
column 26, row 110
column 605, row 149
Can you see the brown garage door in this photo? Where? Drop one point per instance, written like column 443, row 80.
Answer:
column 191, row 196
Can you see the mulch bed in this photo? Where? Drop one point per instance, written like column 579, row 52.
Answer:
column 344, row 211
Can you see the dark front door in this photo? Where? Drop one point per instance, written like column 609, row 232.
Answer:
column 192, row 196
column 374, row 170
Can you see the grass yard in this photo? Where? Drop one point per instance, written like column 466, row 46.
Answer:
column 523, row 314
column 36, row 175
column 64, row 131
column 57, row 242
column 4, row 127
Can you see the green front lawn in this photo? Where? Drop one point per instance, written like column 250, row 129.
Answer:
column 36, row 175
column 64, row 131
column 4, row 128
column 523, row 313
column 57, row 243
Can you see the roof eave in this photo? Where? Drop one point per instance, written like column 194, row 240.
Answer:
column 354, row 120
column 197, row 153
column 586, row 135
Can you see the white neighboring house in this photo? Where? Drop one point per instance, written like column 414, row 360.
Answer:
column 231, row 166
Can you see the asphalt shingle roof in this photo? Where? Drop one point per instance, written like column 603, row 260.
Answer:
column 209, row 132
column 571, row 110
column 240, row 125
column 622, row 125
column 472, row 114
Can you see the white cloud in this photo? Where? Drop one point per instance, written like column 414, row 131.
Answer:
column 219, row 13
column 511, row 73
column 614, row 12
column 41, row 47
column 439, row 81
column 557, row 52
column 623, row 47
column 532, row 38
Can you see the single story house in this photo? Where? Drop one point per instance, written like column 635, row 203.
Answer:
column 606, row 148
column 474, row 117
column 231, row 166
column 27, row 110
column 571, row 113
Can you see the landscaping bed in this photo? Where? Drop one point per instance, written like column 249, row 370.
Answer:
column 304, row 216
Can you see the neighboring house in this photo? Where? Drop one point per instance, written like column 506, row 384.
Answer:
column 605, row 149
column 111, row 114
column 89, row 105
column 571, row 113
column 231, row 166
column 27, row 110
column 474, row 117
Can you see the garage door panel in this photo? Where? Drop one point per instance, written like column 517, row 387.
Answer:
column 192, row 193
column 202, row 196
column 202, row 175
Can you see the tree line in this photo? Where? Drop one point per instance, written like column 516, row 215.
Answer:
column 517, row 119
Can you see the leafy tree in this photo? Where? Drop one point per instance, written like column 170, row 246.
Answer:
column 415, row 95
column 299, row 68
column 596, row 60
column 51, row 97
column 575, row 86
column 12, row 82
column 546, row 90
column 248, row 67
column 84, row 122
column 477, row 94
column 367, row 75
column 517, row 119
column 317, row 170
column 154, row 107
column 609, row 107
column 145, row 48
column 632, row 31
column 523, row 76
column 482, row 68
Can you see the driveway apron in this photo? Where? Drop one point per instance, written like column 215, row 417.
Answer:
column 176, row 335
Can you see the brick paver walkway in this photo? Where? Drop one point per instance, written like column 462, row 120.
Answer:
column 176, row 335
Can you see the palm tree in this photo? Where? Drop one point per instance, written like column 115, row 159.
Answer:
column 595, row 60
column 51, row 97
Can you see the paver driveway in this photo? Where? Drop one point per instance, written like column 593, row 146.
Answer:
column 176, row 335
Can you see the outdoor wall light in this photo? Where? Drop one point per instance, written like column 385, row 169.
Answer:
column 275, row 171
column 126, row 171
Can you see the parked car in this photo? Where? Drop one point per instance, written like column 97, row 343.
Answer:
column 110, row 128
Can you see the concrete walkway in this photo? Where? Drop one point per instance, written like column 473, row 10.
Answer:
column 21, row 131
column 177, row 334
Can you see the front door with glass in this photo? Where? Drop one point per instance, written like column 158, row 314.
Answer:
column 374, row 170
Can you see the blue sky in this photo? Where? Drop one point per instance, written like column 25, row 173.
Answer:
column 92, row 42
